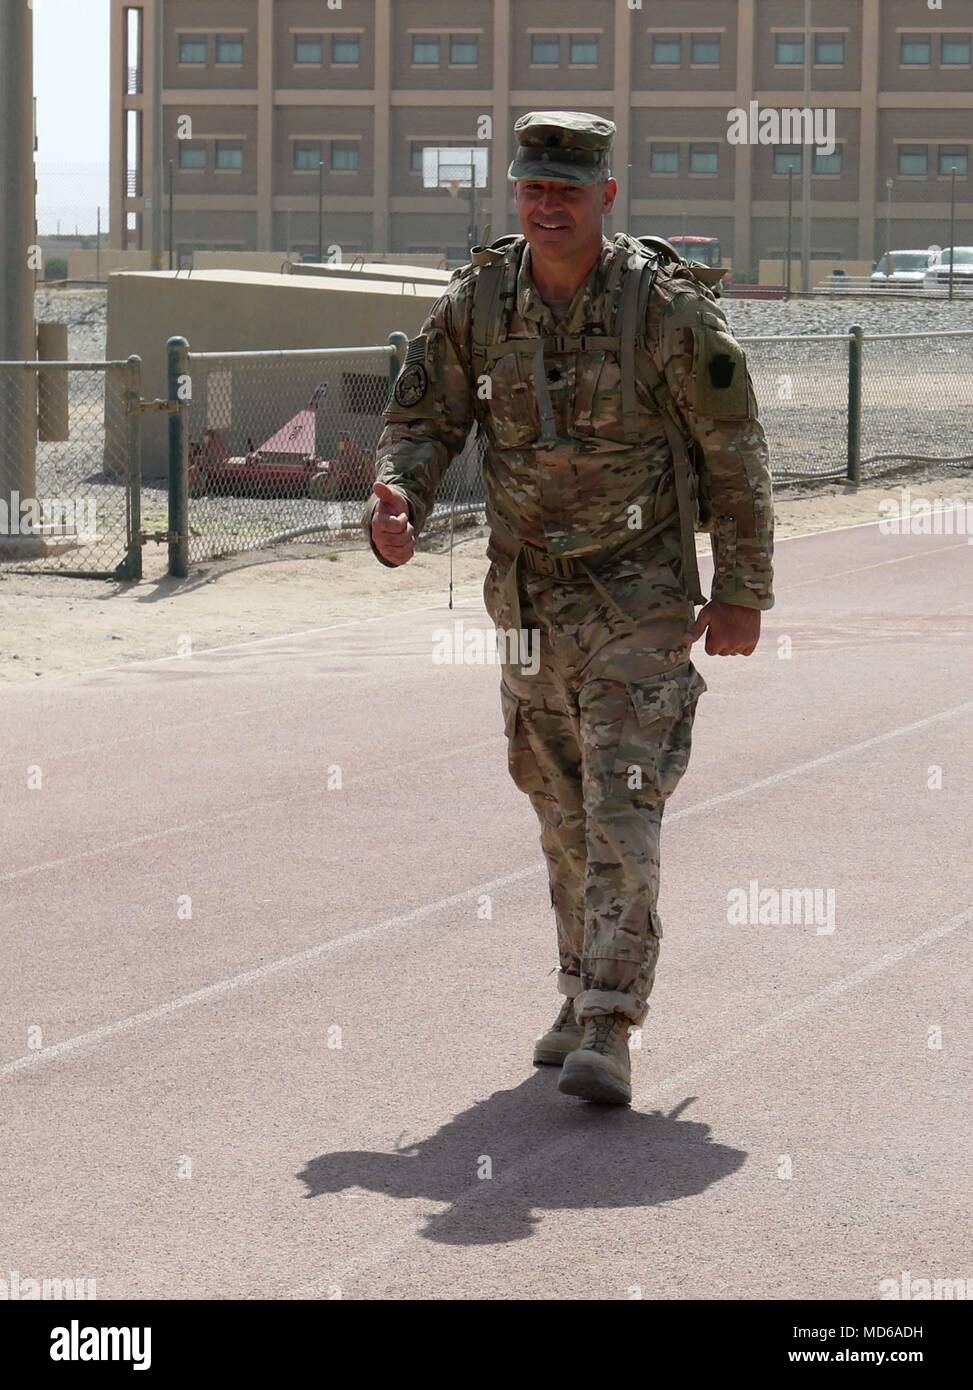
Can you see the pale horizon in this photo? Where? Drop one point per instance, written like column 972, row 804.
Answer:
column 71, row 85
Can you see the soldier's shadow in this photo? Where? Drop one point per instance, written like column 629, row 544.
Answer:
column 536, row 1151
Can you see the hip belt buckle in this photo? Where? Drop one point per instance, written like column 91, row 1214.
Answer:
column 541, row 562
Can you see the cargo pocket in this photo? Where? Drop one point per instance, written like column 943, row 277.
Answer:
column 521, row 760
column 655, row 743
column 512, row 421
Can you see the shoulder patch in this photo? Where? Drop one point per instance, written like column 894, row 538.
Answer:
column 411, row 385
column 412, row 389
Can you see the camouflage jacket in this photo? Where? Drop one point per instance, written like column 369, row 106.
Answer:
column 575, row 496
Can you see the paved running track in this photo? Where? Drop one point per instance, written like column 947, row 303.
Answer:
column 177, row 1119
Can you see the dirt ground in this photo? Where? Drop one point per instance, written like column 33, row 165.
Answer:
column 57, row 626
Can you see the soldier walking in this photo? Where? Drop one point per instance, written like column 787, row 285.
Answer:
column 619, row 418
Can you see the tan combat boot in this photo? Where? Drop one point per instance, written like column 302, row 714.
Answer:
column 600, row 1069
column 564, row 1036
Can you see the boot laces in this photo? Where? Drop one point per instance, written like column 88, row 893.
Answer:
column 604, row 1038
column 565, row 1018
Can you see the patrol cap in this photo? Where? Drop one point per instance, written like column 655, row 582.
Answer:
column 570, row 145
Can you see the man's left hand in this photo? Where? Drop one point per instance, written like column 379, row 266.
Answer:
column 731, row 630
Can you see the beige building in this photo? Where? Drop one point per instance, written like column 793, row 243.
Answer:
column 272, row 108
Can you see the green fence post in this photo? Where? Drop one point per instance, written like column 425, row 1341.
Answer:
column 400, row 342
column 131, row 566
column 178, row 353
column 855, row 367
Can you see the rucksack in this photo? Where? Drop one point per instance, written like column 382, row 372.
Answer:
column 629, row 285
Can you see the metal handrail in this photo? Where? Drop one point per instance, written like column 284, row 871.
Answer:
column 288, row 354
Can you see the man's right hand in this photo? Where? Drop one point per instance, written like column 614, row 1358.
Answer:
column 392, row 531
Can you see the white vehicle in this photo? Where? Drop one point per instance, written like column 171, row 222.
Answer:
column 936, row 279
column 902, row 267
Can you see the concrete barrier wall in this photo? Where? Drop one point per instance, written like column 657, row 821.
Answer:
column 774, row 272
column 83, row 265
column 233, row 311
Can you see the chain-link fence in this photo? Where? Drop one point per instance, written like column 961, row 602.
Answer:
column 69, row 467
column 801, row 384
column 917, row 399
column 281, row 446
column 916, row 393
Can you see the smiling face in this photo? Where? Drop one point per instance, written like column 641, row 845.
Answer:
column 562, row 218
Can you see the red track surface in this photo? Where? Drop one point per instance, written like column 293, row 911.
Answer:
column 317, row 1168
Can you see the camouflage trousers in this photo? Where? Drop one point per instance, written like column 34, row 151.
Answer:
column 599, row 724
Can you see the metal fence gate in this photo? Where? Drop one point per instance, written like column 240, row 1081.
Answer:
column 70, row 476
column 275, row 446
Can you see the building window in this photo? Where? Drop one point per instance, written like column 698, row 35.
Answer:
column 346, row 52
column 307, row 49
column 915, row 52
column 545, row 50
column 706, row 50
column 192, row 157
column 229, row 155
column 664, row 159
column 954, row 159
column 425, row 52
column 829, row 53
column 584, row 50
column 704, row 159
column 666, row 51
column 914, row 160
column 826, row 163
column 307, row 155
column 192, row 51
column 344, row 158
column 229, row 50
column 415, row 158
column 955, row 53
column 786, row 160
column 789, row 52
column 464, row 52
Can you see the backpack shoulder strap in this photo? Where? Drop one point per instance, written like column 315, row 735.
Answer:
column 642, row 265
column 492, row 295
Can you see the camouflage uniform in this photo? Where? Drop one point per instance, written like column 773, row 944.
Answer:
column 588, row 545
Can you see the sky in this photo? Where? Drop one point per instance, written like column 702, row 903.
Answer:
column 71, row 62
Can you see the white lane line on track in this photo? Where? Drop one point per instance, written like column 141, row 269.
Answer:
column 642, row 1100
column 459, row 596
column 188, row 826
column 239, row 646
column 860, row 569
column 247, row 977
column 251, row 806
column 260, row 972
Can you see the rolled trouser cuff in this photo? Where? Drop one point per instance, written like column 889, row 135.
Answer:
column 568, row 985
column 609, row 1001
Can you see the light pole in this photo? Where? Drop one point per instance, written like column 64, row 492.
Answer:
column 806, row 161
column 18, row 408
column 888, row 224
column 790, row 226
column 320, row 210
column 171, row 204
column 158, row 38
column 952, row 226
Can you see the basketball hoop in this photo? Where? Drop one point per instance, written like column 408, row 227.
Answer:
column 453, row 185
